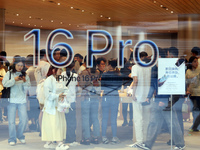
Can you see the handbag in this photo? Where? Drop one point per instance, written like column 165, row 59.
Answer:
column 5, row 95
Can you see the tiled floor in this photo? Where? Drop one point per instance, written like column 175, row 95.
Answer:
column 124, row 133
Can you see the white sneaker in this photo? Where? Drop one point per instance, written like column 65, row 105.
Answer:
column 115, row 140
column 74, row 144
column 62, row 147
column 179, row 148
column 143, row 146
column 22, row 141
column 134, row 145
column 49, row 145
column 12, row 143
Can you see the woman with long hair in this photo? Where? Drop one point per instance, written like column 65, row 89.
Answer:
column 53, row 121
column 19, row 83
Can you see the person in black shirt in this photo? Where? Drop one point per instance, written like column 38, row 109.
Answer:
column 111, row 82
column 127, row 80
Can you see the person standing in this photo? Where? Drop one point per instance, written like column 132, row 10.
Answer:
column 141, row 84
column 90, row 104
column 6, row 65
column 158, row 116
column 53, row 121
column 40, row 74
column 111, row 82
column 69, row 80
column 78, row 58
column 2, row 74
column 34, row 111
column 19, row 83
column 127, row 80
column 192, row 78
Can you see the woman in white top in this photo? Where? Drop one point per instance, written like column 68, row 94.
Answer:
column 19, row 83
column 53, row 121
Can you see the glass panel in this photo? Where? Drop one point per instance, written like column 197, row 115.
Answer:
column 118, row 72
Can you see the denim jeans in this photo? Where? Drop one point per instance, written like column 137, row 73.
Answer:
column 124, row 111
column 34, row 108
column 110, row 104
column 22, row 113
column 1, row 117
column 178, row 108
column 89, row 110
column 71, row 124
column 157, row 118
column 196, row 108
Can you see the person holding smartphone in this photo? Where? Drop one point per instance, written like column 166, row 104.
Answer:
column 19, row 83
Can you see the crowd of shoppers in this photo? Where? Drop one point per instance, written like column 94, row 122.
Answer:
column 99, row 92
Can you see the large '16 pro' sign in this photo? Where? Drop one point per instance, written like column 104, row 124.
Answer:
column 90, row 49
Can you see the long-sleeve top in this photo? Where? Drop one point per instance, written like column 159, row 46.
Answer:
column 154, row 86
column 52, row 89
column 18, row 89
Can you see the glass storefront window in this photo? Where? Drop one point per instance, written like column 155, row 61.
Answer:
column 99, row 74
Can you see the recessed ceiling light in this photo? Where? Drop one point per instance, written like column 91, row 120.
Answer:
column 161, row 5
column 51, row 20
column 17, row 14
column 154, row 1
column 29, row 24
column 172, row 12
column 92, row 13
column 21, row 23
column 101, row 15
column 61, row 22
column 41, row 19
column 69, row 24
column 109, row 18
column 35, row 25
column 58, row 3
column 41, row 26
column 83, row 10
column 72, row 7
column 167, row 9
column 43, row 0
column 77, row 25
column 30, row 17
column 13, row 22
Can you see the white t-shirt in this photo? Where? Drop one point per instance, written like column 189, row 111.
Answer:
column 144, row 80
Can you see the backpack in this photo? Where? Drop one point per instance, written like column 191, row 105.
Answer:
column 40, row 92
